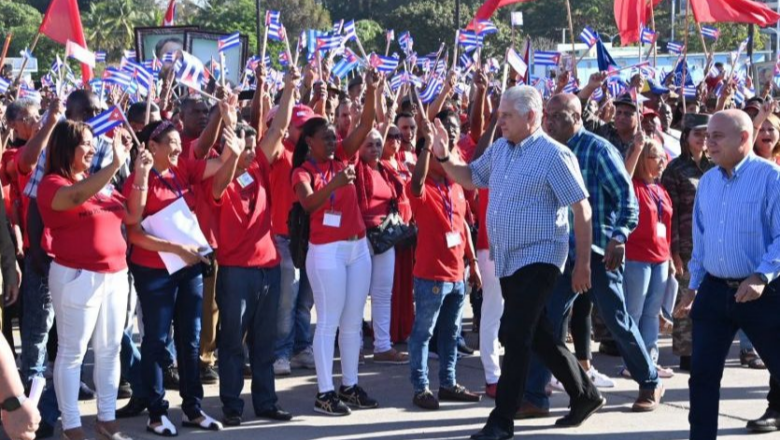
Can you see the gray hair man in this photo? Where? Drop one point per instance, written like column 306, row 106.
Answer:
column 533, row 180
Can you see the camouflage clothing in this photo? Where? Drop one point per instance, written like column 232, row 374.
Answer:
column 682, row 334
column 681, row 179
column 594, row 124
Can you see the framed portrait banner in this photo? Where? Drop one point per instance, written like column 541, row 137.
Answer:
column 203, row 45
column 150, row 41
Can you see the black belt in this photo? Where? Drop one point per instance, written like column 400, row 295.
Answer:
column 731, row 283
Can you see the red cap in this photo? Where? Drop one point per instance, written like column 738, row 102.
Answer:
column 301, row 114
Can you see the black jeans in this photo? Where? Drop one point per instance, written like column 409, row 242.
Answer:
column 525, row 327
column 581, row 326
column 774, row 394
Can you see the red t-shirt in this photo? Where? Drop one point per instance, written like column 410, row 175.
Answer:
column 482, row 234
column 434, row 260
column 281, row 190
column 21, row 181
column 88, row 236
column 187, row 145
column 10, row 185
column 164, row 189
column 379, row 202
column 343, row 201
column 204, row 209
column 645, row 244
column 243, row 216
column 403, row 173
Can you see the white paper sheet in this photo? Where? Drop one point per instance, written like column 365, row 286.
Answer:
column 176, row 223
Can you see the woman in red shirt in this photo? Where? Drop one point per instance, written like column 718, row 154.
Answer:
column 88, row 278
column 378, row 190
column 647, row 249
column 338, row 263
column 767, row 145
column 163, row 178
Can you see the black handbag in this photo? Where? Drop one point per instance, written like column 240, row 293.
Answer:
column 298, row 225
column 391, row 232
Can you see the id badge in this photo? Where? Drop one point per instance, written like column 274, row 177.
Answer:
column 245, row 180
column 453, row 239
column 660, row 230
column 332, row 219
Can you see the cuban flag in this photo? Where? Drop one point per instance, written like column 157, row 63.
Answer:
column 710, row 32
column 4, row 85
column 272, row 17
column 130, row 55
column 190, row 71
column 597, row 95
column 739, row 96
column 276, row 31
column 675, row 48
column 406, row 41
column 647, row 72
column 154, row 65
column 466, row 61
column 229, row 42
column 690, row 91
column 714, row 72
column 117, row 77
column 485, row 27
column 571, row 86
column 350, row 32
column 106, row 121
column 589, row 36
column 28, row 92
column 284, row 60
column 382, row 63
column 648, row 36
column 169, row 57
column 516, row 62
column 343, row 67
column 431, row 91
column 616, row 86
column 100, row 56
column 144, row 79
column 469, row 40
column 546, row 58
column 56, row 65
column 328, row 42
column 389, row 35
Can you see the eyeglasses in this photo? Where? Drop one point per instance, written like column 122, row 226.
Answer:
column 394, row 137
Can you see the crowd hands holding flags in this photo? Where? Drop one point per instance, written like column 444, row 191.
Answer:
column 418, row 180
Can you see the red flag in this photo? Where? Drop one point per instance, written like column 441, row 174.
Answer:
column 489, row 7
column 734, row 11
column 61, row 23
column 630, row 16
column 170, row 14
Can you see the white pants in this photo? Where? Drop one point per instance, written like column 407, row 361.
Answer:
column 87, row 305
column 492, row 309
column 382, row 275
column 340, row 275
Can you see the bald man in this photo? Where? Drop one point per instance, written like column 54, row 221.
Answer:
column 735, row 263
column 615, row 215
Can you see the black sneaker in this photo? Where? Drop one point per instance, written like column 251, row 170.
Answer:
column 85, row 392
column 44, row 431
column 133, row 408
column 330, row 404
column 171, row 378
column 356, row 397
column 231, row 420
column 124, row 391
column 426, row 400
column 209, row 375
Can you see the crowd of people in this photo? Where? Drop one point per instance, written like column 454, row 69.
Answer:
column 315, row 196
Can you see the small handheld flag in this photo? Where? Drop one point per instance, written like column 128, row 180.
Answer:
column 589, row 36
column 710, row 32
column 546, row 58
column 648, row 36
column 106, row 121
column 350, row 32
column 100, row 56
column 675, row 48
column 516, row 62
column 272, row 17
column 229, row 42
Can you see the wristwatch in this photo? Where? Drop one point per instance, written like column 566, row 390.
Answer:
column 620, row 238
column 13, row 403
column 764, row 279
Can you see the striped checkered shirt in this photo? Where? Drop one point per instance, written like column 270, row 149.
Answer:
column 615, row 209
column 736, row 222
column 104, row 155
column 531, row 187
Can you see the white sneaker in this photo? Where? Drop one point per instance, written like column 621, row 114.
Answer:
column 664, row 373
column 304, row 359
column 556, row 384
column 600, row 379
column 282, row 367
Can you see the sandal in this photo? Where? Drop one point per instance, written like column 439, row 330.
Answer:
column 207, row 423
column 166, row 428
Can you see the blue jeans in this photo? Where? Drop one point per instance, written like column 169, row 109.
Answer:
column 645, row 285
column 37, row 322
column 716, row 318
column 248, row 299
column 437, row 304
column 607, row 295
column 167, row 299
column 295, row 302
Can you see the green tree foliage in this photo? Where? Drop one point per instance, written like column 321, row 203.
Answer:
column 371, row 35
column 109, row 25
column 23, row 21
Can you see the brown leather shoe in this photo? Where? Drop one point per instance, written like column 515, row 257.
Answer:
column 648, row 400
column 458, row 393
column 530, row 411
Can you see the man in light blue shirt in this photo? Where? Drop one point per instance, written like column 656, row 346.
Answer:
column 735, row 263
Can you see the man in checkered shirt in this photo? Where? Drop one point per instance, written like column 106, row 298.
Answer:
column 533, row 180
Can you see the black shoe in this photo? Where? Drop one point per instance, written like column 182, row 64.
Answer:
column 85, row 392
column 685, row 363
column 426, row 400
column 356, row 397
column 124, row 391
column 492, row 432
column 231, row 420
column 465, row 349
column 458, row 393
column 769, row 422
column 44, row 431
column 133, row 408
column 171, row 378
column 208, row 375
column 580, row 412
column 609, row 348
column 330, row 404
column 275, row 413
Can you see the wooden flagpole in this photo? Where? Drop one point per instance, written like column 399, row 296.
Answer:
column 18, row 79
column 655, row 38
column 571, row 35
column 5, row 49
column 685, row 54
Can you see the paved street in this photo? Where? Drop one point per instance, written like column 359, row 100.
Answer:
column 743, row 397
